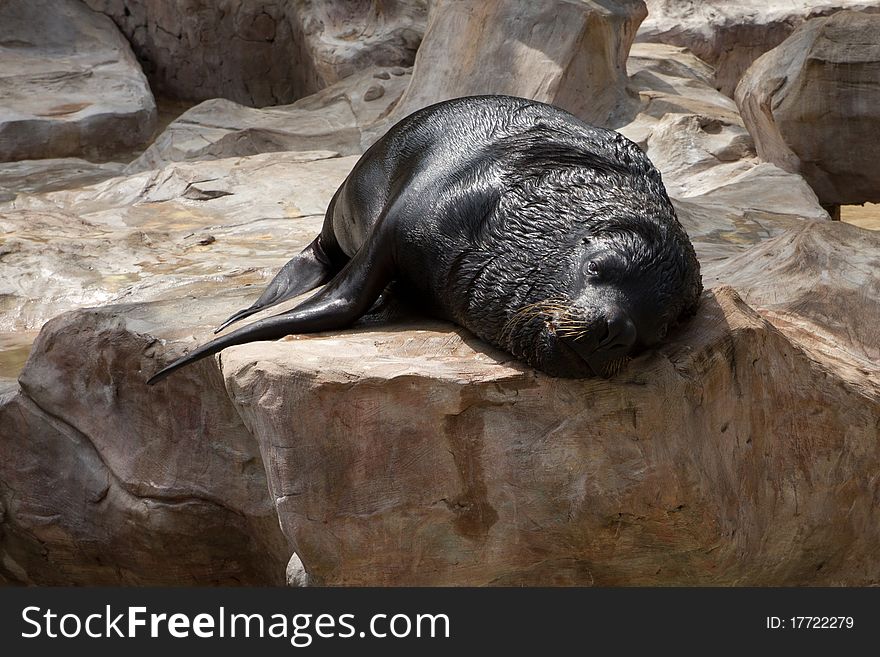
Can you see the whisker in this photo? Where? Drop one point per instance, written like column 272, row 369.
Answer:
column 532, row 311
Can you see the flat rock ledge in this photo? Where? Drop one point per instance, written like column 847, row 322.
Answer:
column 412, row 454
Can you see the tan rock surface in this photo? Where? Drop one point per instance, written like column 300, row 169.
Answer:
column 345, row 37
column 819, row 283
column 724, row 458
column 32, row 176
column 190, row 228
column 811, row 106
column 419, row 456
column 866, row 216
column 69, row 84
column 696, row 138
column 668, row 80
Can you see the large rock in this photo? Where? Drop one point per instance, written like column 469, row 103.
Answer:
column 811, row 105
column 264, row 52
column 344, row 37
column 669, row 80
column 569, row 54
column 447, row 495
column 731, row 34
column 819, row 283
column 69, row 83
column 428, row 461
column 338, row 118
column 99, row 487
column 420, row 456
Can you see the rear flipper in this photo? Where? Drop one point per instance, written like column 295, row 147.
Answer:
column 306, row 271
column 348, row 296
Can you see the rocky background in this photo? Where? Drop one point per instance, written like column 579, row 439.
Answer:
column 745, row 451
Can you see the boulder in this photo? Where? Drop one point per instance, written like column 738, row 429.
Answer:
column 263, row 52
column 731, row 486
column 819, row 283
column 70, row 84
column 420, row 456
column 730, row 35
column 97, row 487
column 707, row 158
column 572, row 55
column 669, row 80
column 345, row 37
column 338, row 118
column 425, row 459
column 811, row 106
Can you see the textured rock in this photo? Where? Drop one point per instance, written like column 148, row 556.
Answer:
column 811, row 106
column 338, row 118
column 572, row 55
column 705, row 463
column 180, row 230
column 695, row 136
column 344, row 37
column 31, row 176
column 264, row 52
column 704, row 157
column 427, row 458
column 69, row 83
column 819, row 283
column 730, row 35
column 100, row 486
column 669, row 80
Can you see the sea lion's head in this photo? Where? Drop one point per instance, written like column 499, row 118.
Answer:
column 616, row 277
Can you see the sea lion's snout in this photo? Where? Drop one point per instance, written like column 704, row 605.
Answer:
column 606, row 344
column 620, row 332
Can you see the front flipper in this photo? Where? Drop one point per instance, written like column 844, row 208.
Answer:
column 306, row 271
column 348, row 296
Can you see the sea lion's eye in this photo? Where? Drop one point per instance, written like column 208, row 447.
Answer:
column 592, row 268
column 586, row 240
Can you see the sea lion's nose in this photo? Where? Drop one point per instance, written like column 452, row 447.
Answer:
column 622, row 332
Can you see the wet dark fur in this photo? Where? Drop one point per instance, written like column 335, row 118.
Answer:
column 546, row 237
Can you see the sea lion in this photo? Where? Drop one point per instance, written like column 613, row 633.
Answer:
column 547, row 237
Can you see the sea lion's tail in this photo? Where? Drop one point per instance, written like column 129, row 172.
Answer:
column 348, row 296
column 270, row 328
